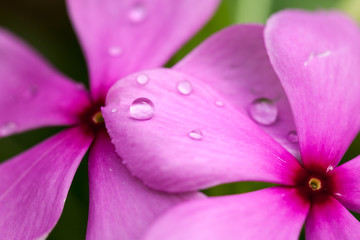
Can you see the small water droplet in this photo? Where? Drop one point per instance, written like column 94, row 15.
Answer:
column 8, row 128
column 329, row 168
column 113, row 110
column 142, row 79
column 110, row 169
column 137, row 13
column 196, row 134
column 142, row 109
column 115, row 51
column 184, row 87
column 263, row 111
column 219, row 103
column 292, row 136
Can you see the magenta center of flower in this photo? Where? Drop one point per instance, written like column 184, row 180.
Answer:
column 92, row 119
column 315, row 184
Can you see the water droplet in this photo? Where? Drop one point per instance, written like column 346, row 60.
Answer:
column 142, row 109
column 329, row 168
column 115, row 51
column 196, row 134
column 110, row 169
column 142, row 79
column 113, row 110
column 263, row 111
column 184, row 87
column 292, row 136
column 137, row 13
column 8, row 128
column 219, row 103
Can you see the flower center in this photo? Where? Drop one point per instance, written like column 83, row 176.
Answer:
column 91, row 119
column 97, row 118
column 315, row 184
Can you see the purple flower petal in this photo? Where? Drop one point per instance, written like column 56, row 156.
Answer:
column 234, row 63
column 331, row 221
column 348, row 184
column 274, row 213
column 33, row 94
column 121, row 37
column 121, row 207
column 317, row 57
column 34, row 185
column 172, row 135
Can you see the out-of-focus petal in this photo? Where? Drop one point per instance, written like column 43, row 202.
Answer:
column 121, row 37
column 121, row 207
column 347, row 188
column 331, row 221
column 172, row 135
column 235, row 64
column 32, row 93
column 34, row 185
column 275, row 213
column 317, row 58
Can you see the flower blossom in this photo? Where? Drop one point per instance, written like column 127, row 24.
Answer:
column 275, row 103
column 118, row 38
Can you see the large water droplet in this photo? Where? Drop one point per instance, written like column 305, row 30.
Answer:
column 196, row 134
column 263, row 111
column 8, row 128
column 293, row 137
column 137, row 13
column 115, row 51
column 142, row 109
column 142, row 79
column 184, row 87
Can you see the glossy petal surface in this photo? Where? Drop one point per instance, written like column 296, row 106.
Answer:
column 235, row 64
column 121, row 207
column 121, row 37
column 32, row 93
column 172, row 135
column 275, row 213
column 34, row 185
column 317, row 57
column 331, row 221
column 348, row 184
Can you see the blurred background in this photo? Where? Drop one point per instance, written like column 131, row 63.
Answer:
column 45, row 25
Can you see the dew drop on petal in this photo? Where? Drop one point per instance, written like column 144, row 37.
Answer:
column 142, row 79
column 113, row 110
column 137, row 13
column 196, row 134
column 292, row 136
column 219, row 103
column 184, row 87
column 8, row 128
column 142, row 109
column 263, row 111
column 115, row 51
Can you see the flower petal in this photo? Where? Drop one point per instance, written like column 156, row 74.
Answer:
column 121, row 207
column 347, row 181
column 33, row 94
column 234, row 62
column 331, row 221
column 317, row 58
column 274, row 213
column 34, row 185
column 121, row 37
column 189, row 142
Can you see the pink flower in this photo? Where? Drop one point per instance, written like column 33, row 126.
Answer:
column 235, row 121
column 118, row 38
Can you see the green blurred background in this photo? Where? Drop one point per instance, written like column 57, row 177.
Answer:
column 45, row 25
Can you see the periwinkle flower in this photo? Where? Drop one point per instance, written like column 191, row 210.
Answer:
column 291, row 86
column 118, row 37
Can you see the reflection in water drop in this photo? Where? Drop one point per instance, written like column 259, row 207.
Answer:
column 184, row 87
column 263, row 111
column 196, row 134
column 142, row 109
